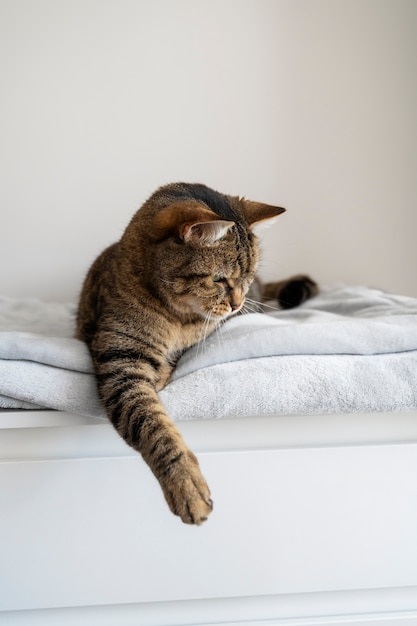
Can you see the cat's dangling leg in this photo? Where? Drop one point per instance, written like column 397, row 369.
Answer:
column 127, row 382
column 291, row 292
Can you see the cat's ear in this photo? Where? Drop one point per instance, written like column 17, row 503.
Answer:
column 204, row 233
column 256, row 212
column 191, row 222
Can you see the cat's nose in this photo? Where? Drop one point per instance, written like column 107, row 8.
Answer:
column 235, row 306
column 236, row 299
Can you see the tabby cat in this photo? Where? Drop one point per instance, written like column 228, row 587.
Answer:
column 183, row 265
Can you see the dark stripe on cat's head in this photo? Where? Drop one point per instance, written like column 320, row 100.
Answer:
column 216, row 202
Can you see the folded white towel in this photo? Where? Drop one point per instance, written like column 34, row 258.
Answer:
column 349, row 320
column 350, row 349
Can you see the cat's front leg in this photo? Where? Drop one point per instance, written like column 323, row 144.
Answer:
column 127, row 388
column 176, row 468
column 184, row 487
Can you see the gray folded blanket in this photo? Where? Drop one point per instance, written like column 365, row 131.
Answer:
column 350, row 349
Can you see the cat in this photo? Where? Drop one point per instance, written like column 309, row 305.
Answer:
column 183, row 266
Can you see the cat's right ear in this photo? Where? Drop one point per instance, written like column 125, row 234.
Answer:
column 204, row 233
column 192, row 223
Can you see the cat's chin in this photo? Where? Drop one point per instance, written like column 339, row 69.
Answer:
column 220, row 316
column 217, row 313
column 211, row 315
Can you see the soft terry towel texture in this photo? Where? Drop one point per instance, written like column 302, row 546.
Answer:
column 350, row 349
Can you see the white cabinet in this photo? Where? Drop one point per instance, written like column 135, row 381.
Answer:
column 315, row 531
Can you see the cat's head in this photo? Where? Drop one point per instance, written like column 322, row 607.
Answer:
column 201, row 252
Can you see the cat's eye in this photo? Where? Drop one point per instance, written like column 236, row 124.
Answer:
column 221, row 280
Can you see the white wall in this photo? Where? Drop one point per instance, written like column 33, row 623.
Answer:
column 305, row 103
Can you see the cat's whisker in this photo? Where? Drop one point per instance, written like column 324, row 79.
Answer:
column 249, row 308
column 220, row 330
column 204, row 332
column 252, row 301
column 207, row 325
column 201, row 340
column 261, row 305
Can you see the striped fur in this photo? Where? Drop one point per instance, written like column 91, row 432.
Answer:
column 183, row 265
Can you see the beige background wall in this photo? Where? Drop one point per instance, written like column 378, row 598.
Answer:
column 310, row 104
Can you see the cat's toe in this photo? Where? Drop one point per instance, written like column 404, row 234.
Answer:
column 197, row 509
column 193, row 502
column 189, row 503
column 188, row 495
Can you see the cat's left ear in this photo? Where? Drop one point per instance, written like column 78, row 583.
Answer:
column 256, row 212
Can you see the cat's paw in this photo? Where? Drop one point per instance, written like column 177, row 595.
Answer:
column 186, row 490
